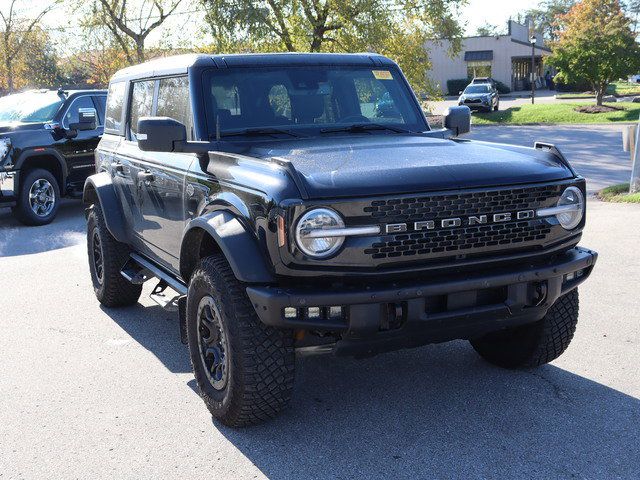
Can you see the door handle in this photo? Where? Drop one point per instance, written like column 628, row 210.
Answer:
column 117, row 167
column 146, row 177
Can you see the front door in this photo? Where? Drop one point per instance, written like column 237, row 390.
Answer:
column 79, row 151
column 158, row 178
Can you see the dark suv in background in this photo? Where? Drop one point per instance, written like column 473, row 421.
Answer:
column 480, row 94
column 47, row 143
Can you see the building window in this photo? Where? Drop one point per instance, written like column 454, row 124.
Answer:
column 478, row 69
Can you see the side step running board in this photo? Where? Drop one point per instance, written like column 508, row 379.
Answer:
column 149, row 270
column 138, row 270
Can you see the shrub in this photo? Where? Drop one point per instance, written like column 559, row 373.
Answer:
column 455, row 86
column 502, row 88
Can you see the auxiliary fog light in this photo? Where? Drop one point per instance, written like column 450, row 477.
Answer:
column 314, row 313
column 569, row 277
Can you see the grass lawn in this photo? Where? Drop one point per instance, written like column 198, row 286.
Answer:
column 618, row 193
column 624, row 88
column 620, row 89
column 556, row 113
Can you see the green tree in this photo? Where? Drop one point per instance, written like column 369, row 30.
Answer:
column 38, row 64
column 632, row 8
column 488, row 30
column 397, row 28
column 596, row 45
column 546, row 16
column 17, row 33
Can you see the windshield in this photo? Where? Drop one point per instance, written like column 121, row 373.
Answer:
column 309, row 100
column 477, row 89
column 29, row 107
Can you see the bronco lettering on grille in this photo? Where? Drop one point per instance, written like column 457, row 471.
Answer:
column 459, row 221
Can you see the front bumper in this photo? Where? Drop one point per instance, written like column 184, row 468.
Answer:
column 379, row 317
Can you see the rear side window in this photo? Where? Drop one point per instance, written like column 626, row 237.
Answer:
column 115, row 104
column 173, row 101
column 141, row 104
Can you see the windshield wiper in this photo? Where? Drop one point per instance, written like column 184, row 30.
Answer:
column 365, row 127
column 255, row 132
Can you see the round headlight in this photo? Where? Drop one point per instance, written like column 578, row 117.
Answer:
column 309, row 233
column 571, row 217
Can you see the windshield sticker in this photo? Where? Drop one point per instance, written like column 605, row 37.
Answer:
column 382, row 74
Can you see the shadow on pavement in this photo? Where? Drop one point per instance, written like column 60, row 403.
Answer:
column 156, row 330
column 433, row 412
column 441, row 412
column 66, row 230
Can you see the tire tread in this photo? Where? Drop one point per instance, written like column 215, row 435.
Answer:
column 265, row 363
column 115, row 291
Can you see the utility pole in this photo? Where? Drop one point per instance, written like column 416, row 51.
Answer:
column 533, row 41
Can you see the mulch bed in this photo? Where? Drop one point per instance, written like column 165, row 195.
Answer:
column 597, row 109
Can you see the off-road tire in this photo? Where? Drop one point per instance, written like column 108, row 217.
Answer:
column 534, row 344
column 261, row 359
column 23, row 211
column 112, row 289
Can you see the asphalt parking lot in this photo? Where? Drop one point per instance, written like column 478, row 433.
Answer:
column 88, row 392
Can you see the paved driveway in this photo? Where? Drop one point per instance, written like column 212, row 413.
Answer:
column 88, row 392
column 595, row 151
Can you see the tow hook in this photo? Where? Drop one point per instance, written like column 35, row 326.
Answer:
column 539, row 293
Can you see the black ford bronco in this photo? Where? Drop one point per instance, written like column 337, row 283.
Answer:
column 287, row 210
column 47, row 143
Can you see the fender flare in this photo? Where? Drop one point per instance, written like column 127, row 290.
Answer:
column 30, row 153
column 101, row 186
column 238, row 245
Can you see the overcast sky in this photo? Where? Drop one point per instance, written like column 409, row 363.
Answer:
column 184, row 29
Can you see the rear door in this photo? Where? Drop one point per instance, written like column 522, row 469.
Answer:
column 159, row 177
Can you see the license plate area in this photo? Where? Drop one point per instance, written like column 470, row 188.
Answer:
column 463, row 300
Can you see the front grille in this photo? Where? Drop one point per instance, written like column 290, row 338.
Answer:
column 466, row 239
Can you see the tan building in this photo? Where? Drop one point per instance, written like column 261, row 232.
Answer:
column 506, row 58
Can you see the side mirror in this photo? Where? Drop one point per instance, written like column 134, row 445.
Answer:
column 160, row 134
column 458, row 120
column 87, row 120
column 460, row 92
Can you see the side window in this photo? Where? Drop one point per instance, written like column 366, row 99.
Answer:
column 72, row 115
column 173, row 101
column 115, row 104
column 141, row 104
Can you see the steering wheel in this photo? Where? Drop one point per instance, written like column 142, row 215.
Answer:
column 354, row 119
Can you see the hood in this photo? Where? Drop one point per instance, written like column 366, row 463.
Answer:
column 8, row 127
column 393, row 164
